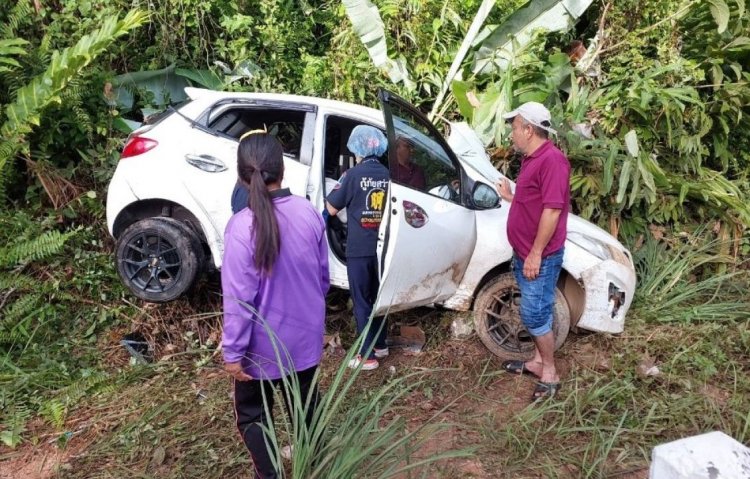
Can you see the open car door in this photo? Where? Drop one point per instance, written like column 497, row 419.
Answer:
column 427, row 235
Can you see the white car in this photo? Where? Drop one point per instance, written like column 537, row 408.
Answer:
column 169, row 201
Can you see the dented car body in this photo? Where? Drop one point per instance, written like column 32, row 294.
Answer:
column 442, row 243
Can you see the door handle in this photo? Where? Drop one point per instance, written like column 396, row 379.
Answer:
column 207, row 163
column 415, row 216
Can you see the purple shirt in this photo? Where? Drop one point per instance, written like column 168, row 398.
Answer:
column 544, row 182
column 290, row 301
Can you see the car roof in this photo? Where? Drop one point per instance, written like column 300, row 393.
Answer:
column 214, row 95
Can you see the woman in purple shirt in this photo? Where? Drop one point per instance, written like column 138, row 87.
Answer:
column 274, row 279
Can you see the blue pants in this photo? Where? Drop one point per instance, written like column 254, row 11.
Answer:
column 363, row 287
column 538, row 295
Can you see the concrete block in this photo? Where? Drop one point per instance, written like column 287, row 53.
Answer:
column 713, row 455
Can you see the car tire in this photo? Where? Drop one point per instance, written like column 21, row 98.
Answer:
column 159, row 259
column 497, row 319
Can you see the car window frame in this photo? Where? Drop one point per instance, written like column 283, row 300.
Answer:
column 386, row 97
column 308, row 122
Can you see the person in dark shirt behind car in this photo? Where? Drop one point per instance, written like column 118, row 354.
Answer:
column 405, row 171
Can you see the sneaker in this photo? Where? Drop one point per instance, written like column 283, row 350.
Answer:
column 381, row 353
column 367, row 365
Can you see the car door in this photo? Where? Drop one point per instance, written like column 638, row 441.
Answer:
column 428, row 234
column 211, row 159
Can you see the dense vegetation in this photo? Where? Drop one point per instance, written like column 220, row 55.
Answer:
column 662, row 96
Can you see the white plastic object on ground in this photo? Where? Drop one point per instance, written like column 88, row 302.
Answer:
column 713, row 455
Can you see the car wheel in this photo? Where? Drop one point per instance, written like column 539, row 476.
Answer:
column 497, row 319
column 158, row 259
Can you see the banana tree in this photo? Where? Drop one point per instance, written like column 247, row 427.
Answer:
column 369, row 27
column 500, row 44
column 496, row 50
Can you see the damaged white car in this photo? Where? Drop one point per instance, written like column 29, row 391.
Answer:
column 442, row 242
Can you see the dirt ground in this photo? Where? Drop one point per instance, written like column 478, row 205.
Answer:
column 467, row 390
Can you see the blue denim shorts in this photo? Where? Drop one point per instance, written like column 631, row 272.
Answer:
column 538, row 295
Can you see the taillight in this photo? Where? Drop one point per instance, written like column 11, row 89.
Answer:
column 137, row 145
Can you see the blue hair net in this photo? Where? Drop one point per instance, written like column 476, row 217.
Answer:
column 367, row 141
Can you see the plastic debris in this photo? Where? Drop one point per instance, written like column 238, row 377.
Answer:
column 137, row 347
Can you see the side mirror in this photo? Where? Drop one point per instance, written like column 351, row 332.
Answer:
column 484, row 196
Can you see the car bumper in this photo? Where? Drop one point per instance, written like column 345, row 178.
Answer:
column 119, row 196
column 609, row 289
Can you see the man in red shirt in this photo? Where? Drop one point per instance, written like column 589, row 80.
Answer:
column 537, row 226
column 405, row 171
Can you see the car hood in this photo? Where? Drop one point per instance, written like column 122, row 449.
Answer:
column 466, row 144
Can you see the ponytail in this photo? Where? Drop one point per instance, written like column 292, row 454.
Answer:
column 260, row 163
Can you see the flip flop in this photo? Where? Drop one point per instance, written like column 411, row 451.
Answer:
column 544, row 390
column 518, row 368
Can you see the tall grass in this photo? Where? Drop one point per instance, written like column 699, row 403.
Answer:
column 690, row 282
column 353, row 433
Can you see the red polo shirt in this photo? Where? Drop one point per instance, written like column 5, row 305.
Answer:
column 410, row 175
column 544, row 182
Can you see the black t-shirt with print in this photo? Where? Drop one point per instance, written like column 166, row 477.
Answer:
column 362, row 192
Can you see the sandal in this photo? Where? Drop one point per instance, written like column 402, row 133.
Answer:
column 544, row 390
column 518, row 368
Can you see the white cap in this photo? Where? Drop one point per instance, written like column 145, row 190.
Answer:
column 534, row 113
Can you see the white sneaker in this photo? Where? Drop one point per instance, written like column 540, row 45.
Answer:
column 381, row 353
column 286, row 452
column 367, row 365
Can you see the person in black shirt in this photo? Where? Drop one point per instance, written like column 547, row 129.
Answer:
column 362, row 191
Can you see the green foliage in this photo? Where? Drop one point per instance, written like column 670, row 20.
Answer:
column 47, row 281
column 502, row 41
column 8, row 48
column 35, row 249
column 29, row 101
column 665, row 110
column 369, row 27
column 689, row 282
column 350, row 432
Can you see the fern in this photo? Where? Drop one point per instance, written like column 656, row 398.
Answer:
column 36, row 249
column 14, row 425
column 72, row 98
column 20, row 14
column 64, row 66
column 54, row 411
column 17, row 282
column 8, row 48
column 17, row 318
column 10, row 338
column 19, row 309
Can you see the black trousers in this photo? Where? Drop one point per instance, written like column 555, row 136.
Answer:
column 251, row 415
column 363, row 287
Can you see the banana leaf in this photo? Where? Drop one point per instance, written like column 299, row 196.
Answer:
column 368, row 26
column 484, row 10
column 165, row 85
column 496, row 49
